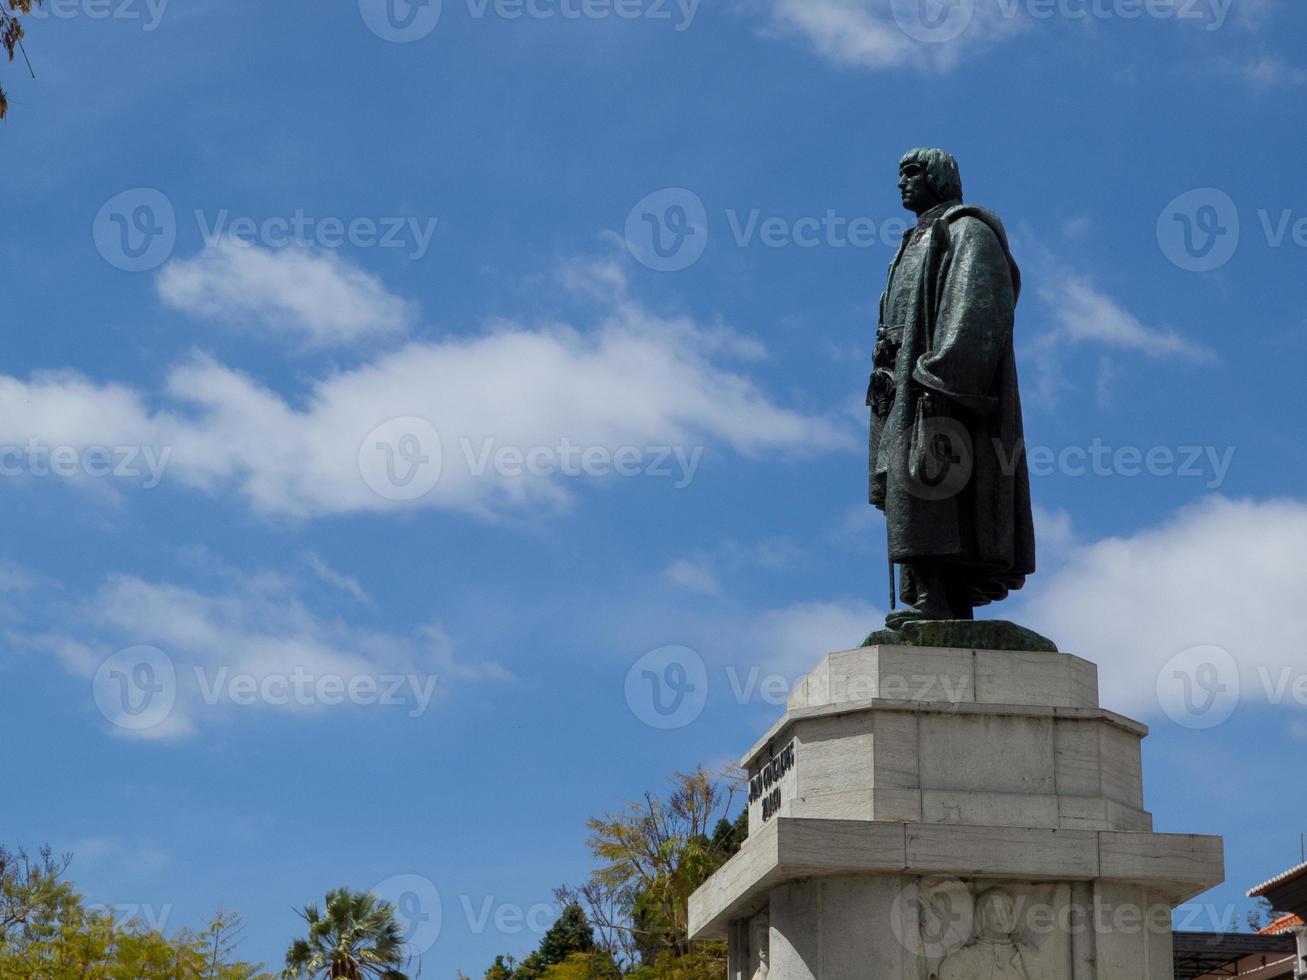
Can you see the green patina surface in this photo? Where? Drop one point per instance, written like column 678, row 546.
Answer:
column 979, row 634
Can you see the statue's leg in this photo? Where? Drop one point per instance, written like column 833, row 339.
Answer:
column 929, row 590
column 959, row 593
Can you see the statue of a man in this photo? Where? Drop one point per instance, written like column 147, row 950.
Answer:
column 948, row 464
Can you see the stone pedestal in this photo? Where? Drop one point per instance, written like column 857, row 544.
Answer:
column 960, row 814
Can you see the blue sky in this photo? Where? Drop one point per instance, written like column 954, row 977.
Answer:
column 322, row 441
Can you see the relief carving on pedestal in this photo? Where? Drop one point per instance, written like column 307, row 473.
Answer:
column 993, row 952
column 990, row 931
column 759, row 946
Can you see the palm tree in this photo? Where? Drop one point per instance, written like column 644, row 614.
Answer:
column 357, row 939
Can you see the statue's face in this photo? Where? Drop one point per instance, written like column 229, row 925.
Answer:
column 918, row 197
column 997, row 916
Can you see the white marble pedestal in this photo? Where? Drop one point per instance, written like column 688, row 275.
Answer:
column 960, row 814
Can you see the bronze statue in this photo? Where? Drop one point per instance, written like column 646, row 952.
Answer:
column 948, row 464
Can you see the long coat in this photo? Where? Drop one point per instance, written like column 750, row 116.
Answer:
column 957, row 344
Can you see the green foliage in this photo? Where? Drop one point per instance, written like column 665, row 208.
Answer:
column 566, row 952
column 48, row 933
column 356, row 938
column 654, row 853
column 11, row 36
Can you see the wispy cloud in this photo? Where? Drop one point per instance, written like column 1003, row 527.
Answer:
column 1076, row 312
column 175, row 658
column 311, row 294
column 1084, row 314
column 504, row 413
column 693, row 576
column 889, row 34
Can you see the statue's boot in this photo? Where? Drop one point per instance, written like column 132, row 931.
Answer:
column 939, row 596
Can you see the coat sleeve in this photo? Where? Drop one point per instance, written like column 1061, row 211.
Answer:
column 973, row 320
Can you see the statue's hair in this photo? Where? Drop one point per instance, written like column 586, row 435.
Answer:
column 988, row 898
column 942, row 171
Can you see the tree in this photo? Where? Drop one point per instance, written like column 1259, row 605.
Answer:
column 217, row 945
column 568, row 951
column 655, row 853
column 32, row 892
column 48, row 933
column 11, row 36
column 356, row 939
column 1260, row 915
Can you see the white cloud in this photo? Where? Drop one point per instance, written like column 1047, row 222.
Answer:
column 338, row 580
column 1085, row 314
column 791, row 640
column 254, row 647
column 885, row 34
column 1225, row 572
column 1269, row 71
column 693, row 576
column 1081, row 314
column 315, row 295
column 661, row 388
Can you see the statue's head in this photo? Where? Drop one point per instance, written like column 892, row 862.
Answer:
column 928, row 177
column 996, row 916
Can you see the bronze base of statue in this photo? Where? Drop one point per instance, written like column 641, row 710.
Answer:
column 966, row 634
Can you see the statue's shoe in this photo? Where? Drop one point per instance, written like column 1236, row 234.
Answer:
column 898, row 617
